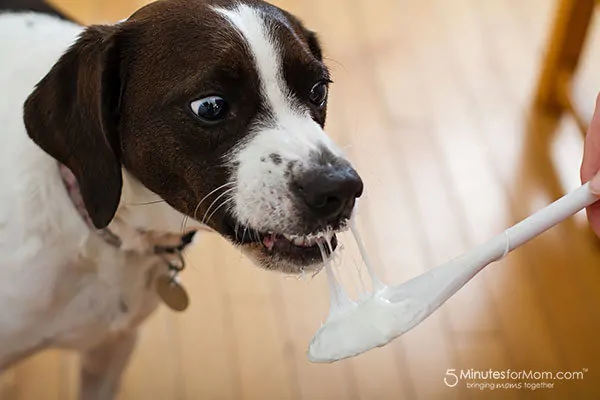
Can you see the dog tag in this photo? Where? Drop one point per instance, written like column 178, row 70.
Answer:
column 172, row 293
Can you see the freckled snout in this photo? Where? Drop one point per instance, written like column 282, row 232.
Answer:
column 329, row 192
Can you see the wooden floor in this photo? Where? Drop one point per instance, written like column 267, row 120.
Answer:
column 431, row 101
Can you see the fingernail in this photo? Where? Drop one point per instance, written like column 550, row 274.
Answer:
column 595, row 184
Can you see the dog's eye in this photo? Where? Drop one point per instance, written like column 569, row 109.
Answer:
column 318, row 93
column 212, row 108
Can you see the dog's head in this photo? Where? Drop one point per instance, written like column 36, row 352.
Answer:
column 216, row 106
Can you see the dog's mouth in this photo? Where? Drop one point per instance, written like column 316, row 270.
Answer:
column 304, row 250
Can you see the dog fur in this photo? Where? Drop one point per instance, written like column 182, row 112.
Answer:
column 112, row 103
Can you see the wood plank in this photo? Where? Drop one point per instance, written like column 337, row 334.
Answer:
column 431, row 102
column 206, row 339
column 39, row 377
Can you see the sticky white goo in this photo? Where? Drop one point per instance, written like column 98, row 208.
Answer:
column 355, row 327
column 374, row 323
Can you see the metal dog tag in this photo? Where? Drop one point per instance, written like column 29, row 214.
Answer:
column 172, row 293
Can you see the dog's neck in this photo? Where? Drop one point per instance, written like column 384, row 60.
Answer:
column 143, row 220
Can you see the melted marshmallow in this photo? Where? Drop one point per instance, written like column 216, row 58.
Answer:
column 353, row 328
column 375, row 322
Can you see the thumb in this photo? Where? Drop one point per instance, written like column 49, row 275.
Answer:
column 595, row 184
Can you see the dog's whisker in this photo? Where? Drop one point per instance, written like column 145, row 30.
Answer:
column 186, row 218
column 189, row 261
column 215, row 202
column 256, row 235
column 225, row 202
column 211, row 193
column 145, row 203
column 184, row 223
column 196, row 209
column 337, row 62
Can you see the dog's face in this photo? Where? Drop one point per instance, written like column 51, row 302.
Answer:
column 216, row 106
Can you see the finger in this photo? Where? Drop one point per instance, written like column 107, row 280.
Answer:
column 591, row 154
column 593, row 214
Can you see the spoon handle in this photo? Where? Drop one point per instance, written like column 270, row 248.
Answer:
column 459, row 271
column 549, row 216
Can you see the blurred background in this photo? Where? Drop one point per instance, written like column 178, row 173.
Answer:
column 459, row 116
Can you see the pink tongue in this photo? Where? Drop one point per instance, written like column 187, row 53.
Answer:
column 269, row 240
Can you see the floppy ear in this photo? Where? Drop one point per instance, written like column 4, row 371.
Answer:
column 73, row 115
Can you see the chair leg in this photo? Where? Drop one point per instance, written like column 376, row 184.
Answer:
column 563, row 52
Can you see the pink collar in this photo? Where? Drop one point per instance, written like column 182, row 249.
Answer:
column 74, row 192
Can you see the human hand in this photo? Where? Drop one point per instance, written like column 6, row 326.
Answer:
column 590, row 167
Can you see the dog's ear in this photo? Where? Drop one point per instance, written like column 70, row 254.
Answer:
column 72, row 114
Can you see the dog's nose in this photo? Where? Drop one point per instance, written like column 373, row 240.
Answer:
column 330, row 191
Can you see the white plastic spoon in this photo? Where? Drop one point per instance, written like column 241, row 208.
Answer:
column 392, row 310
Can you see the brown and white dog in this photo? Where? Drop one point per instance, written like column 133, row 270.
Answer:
column 189, row 113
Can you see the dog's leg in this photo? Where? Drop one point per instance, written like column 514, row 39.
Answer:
column 102, row 367
column 10, row 357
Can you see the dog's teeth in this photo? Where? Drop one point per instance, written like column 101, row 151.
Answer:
column 298, row 241
column 269, row 241
column 311, row 240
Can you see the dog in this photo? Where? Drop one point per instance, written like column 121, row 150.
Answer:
column 118, row 142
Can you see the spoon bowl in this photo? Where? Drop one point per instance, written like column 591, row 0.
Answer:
column 393, row 310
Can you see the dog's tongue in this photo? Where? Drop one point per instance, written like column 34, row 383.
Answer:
column 269, row 240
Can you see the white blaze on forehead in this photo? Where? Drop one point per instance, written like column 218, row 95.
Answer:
column 262, row 195
column 250, row 23
column 302, row 134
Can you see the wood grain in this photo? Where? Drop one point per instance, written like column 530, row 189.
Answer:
column 432, row 102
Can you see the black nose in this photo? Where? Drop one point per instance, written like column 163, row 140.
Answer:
column 330, row 191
